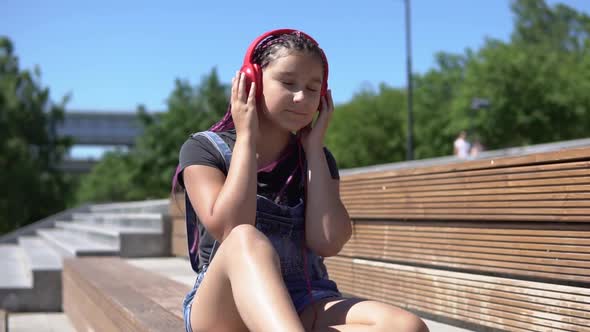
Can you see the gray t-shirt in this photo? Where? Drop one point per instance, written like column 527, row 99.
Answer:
column 199, row 150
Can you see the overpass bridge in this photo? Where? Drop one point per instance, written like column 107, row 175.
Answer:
column 96, row 128
column 101, row 128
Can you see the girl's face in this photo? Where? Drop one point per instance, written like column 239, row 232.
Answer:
column 291, row 90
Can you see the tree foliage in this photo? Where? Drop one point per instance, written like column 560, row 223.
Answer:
column 31, row 185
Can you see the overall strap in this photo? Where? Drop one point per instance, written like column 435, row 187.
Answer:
column 219, row 144
column 192, row 229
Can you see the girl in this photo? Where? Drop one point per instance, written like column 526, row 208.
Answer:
column 264, row 194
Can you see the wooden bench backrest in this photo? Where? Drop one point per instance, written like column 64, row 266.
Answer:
column 553, row 186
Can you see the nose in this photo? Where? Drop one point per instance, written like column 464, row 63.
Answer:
column 298, row 96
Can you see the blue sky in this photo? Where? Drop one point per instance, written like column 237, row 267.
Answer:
column 114, row 55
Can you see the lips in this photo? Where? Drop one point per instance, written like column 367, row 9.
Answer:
column 296, row 112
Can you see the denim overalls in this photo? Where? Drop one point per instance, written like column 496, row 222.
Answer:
column 284, row 227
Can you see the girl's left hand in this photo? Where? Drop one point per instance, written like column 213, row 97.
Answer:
column 312, row 137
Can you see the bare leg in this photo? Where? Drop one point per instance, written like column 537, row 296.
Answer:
column 351, row 315
column 243, row 288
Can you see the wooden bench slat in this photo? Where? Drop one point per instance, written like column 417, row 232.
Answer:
column 443, row 310
column 364, row 274
column 570, row 155
column 573, row 188
column 470, row 217
column 559, row 238
column 530, row 184
column 527, row 197
column 573, row 296
column 490, row 265
column 3, row 321
column 179, row 227
column 519, row 249
column 537, row 170
column 582, row 213
column 468, row 181
column 473, row 292
column 435, row 228
column 380, row 204
column 466, row 301
column 133, row 299
column 518, row 254
column 452, row 305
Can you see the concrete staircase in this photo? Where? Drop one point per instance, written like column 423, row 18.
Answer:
column 31, row 266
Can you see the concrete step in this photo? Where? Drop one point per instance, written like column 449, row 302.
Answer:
column 48, row 322
column 131, row 241
column 31, row 276
column 70, row 244
column 156, row 206
column 40, row 256
column 44, row 265
column 14, row 269
column 145, row 220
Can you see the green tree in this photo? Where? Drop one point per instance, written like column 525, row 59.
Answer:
column 146, row 172
column 370, row 129
column 31, row 185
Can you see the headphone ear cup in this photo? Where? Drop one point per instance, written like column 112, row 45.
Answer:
column 253, row 74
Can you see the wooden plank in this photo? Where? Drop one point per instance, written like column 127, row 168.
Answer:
column 86, row 311
column 570, row 155
column 528, row 197
column 492, row 264
column 533, row 289
column 530, row 184
column 468, row 217
column 176, row 207
column 582, row 212
column 142, row 301
column 557, row 251
column 536, row 169
column 581, row 238
column 384, row 204
column 179, row 227
column 434, row 228
column 3, row 321
column 467, row 180
column 457, row 292
column 517, row 254
column 467, row 292
column 576, row 188
column 505, row 320
column 179, row 246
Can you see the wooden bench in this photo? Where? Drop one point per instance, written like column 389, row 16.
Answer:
column 179, row 245
column 500, row 244
column 3, row 321
column 108, row 294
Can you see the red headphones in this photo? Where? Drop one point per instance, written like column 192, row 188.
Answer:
column 253, row 71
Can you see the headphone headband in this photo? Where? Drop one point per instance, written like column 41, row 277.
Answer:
column 254, row 44
column 254, row 72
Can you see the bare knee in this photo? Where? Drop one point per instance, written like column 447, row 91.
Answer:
column 404, row 322
column 248, row 242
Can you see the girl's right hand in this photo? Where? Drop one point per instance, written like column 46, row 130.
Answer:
column 243, row 106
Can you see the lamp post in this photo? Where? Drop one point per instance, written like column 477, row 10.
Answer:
column 410, row 141
column 476, row 104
